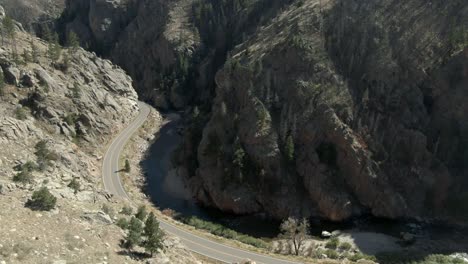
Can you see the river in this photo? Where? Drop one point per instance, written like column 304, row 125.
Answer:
column 168, row 191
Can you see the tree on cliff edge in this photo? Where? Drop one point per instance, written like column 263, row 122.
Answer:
column 9, row 28
column 73, row 42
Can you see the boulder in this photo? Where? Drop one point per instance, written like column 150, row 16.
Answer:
column 27, row 79
column 44, row 78
column 326, row 234
column 97, row 217
column 336, row 233
column 12, row 75
column 85, row 196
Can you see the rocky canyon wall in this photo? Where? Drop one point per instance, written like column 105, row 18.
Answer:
column 318, row 108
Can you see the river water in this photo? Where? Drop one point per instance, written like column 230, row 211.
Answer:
column 167, row 191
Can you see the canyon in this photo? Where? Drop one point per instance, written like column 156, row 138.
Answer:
column 329, row 109
column 338, row 111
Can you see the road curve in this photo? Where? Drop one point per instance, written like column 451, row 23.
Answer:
column 197, row 244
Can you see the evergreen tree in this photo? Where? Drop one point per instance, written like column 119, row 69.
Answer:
column 73, row 42
column 127, row 210
column 24, row 176
column 44, row 155
column 289, row 148
column 26, row 56
column 239, row 157
column 42, row 200
column 141, row 213
column 76, row 91
column 75, row 185
column 127, row 166
column 46, row 34
column 2, row 84
column 34, row 51
column 65, row 62
column 134, row 235
column 54, row 50
column 9, row 27
column 122, row 223
column 3, row 34
column 20, row 113
column 154, row 235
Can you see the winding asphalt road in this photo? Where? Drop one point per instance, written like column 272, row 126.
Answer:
column 197, row 244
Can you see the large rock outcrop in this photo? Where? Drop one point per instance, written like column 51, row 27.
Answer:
column 322, row 108
column 34, row 14
column 172, row 49
column 83, row 104
column 56, row 117
column 152, row 40
column 342, row 108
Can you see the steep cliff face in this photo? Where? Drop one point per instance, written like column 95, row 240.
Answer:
column 322, row 108
column 172, row 49
column 74, row 109
column 33, row 14
column 152, row 40
column 56, row 118
column 340, row 108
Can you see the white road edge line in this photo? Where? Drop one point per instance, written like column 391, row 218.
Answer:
column 118, row 139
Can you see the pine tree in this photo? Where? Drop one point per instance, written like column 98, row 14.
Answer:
column 75, row 185
column 24, row 176
column 26, row 56
column 127, row 168
column 42, row 200
column 134, row 235
column 289, row 148
column 154, row 235
column 54, row 49
column 2, row 84
column 239, row 157
column 34, row 51
column 76, row 91
column 9, row 27
column 65, row 62
column 73, row 42
column 3, row 34
column 46, row 34
column 141, row 213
